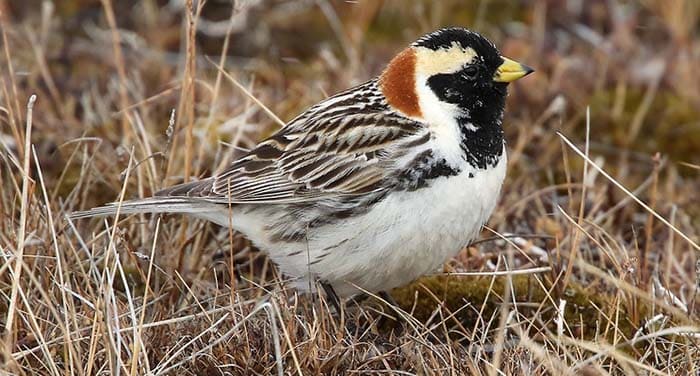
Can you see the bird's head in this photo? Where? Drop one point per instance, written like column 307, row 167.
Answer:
column 453, row 71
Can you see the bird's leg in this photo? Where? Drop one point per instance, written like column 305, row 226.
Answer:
column 331, row 295
column 389, row 299
column 392, row 303
column 357, row 299
column 400, row 319
column 361, row 297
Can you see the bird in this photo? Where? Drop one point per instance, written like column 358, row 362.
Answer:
column 375, row 186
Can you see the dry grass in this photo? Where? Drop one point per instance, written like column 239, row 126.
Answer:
column 604, row 227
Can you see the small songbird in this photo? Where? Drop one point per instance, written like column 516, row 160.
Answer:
column 376, row 185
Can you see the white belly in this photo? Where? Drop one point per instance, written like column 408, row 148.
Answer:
column 404, row 236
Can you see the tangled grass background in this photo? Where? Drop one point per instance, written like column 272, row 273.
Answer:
column 588, row 266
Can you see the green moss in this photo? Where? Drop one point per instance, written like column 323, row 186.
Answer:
column 671, row 124
column 478, row 299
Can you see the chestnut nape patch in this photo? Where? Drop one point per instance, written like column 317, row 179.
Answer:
column 398, row 83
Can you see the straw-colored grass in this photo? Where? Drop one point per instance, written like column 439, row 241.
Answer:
column 590, row 264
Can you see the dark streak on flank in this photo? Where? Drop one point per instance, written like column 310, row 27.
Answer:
column 424, row 168
column 336, row 245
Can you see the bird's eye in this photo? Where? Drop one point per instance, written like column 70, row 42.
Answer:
column 470, row 72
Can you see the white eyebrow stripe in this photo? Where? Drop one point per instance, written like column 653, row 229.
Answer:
column 445, row 60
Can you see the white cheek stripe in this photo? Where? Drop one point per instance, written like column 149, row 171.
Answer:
column 441, row 119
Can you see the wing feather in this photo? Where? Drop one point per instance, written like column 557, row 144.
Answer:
column 342, row 146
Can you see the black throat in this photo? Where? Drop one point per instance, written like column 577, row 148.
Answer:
column 481, row 103
column 482, row 142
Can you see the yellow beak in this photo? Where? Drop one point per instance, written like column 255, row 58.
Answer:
column 511, row 70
